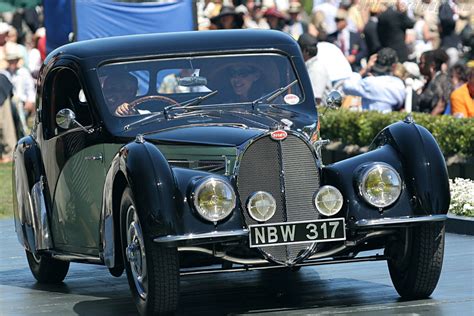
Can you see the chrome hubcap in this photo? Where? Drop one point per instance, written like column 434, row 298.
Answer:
column 135, row 252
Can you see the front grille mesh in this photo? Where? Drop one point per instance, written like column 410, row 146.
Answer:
column 287, row 170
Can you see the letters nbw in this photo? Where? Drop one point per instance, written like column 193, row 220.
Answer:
column 269, row 234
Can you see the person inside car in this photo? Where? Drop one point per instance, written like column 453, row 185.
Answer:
column 119, row 90
column 242, row 80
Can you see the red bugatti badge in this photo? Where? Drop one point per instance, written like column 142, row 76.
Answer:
column 278, row 135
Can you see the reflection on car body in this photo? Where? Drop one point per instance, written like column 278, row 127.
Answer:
column 216, row 155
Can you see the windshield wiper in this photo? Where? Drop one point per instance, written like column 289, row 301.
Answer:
column 274, row 94
column 191, row 102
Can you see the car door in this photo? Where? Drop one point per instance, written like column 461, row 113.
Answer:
column 73, row 160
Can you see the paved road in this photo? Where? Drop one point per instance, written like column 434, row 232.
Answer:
column 356, row 289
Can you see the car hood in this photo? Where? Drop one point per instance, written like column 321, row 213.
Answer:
column 229, row 129
column 208, row 135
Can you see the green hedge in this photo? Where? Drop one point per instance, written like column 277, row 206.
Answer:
column 454, row 136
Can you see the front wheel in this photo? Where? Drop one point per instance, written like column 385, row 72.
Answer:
column 152, row 271
column 47, row 270
column 416, row 273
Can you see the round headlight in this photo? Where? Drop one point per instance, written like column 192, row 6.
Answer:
column 261, row 206
column 380, row 185
column 214, row 199
column 328, row 200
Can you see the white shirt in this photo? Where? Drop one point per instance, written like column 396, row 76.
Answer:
column 318, row 75
column 379, row 93
column 335, row 61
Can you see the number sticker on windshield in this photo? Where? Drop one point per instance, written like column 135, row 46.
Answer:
column 291, row 99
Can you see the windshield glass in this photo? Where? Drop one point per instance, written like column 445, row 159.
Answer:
column 136, row 89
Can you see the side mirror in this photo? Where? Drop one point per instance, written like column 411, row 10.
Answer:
column 334, row 99
column 65, row 118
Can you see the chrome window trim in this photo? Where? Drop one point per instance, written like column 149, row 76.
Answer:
column 39, row 217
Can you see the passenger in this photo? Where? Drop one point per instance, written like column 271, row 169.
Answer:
column 119, row 91
column 242, row 79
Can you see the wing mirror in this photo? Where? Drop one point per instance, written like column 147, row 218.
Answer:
column 66, row 119
column 334, row 99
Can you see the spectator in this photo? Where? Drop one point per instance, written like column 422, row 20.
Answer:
column 296, row 25
column 8, row 137
column 23, row 85
column 327, row 10
column 276, row 20
column 351, row 44
column 327, row 66
column 458, row 76
column 391, row 27
column 370, row 31
column 254, row 19
column 462, row 99
column 435, row 94
column 380, row 90
column 227, row 19
column 4, row 28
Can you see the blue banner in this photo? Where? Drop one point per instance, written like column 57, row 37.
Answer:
column 95, row 19
column 58, row 23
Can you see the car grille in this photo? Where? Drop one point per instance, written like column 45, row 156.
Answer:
column 213, row 166
column 286, row 169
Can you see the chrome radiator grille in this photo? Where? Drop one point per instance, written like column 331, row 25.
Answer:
column 286, row 169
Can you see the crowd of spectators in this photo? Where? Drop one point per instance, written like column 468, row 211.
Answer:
column 383, row 55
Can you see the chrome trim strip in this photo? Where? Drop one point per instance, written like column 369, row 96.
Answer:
column 399, row 220
column 223, row 256
column 210, row 235
column 303, row 264
column 40, row 217
column 77, row 258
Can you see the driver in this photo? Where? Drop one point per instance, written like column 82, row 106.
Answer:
column 119, row 90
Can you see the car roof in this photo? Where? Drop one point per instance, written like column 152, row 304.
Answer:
column 97, row 50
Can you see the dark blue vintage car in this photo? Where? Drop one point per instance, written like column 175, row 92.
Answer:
column 172, row 154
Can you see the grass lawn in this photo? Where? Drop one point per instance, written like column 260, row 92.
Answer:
column 6, row 204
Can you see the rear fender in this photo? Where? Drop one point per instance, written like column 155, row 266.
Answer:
column 30, row 197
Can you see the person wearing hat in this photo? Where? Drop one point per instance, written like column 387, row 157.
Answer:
column 352, row 44
column 24, row 93
column 227, row 19
column 380, row 90
column 276, row 19
column 296, row 24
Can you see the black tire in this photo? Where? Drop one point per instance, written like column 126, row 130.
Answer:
column 159, row 294
column 47, row 270
column 416, row 275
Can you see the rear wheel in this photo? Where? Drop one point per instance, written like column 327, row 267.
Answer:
column 47, row 270
column 152, row 271
column 416, row 274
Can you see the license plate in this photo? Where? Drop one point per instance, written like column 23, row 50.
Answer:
column 274, row 234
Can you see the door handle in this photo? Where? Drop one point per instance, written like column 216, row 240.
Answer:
column 95, row 158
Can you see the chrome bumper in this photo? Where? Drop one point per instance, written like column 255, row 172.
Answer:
column 203, row 237
column 363, row 223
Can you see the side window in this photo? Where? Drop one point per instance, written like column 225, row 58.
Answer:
column 63, row 90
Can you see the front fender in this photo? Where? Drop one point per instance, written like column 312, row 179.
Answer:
column 141, row 166
column 413, row 152
column 423, row 163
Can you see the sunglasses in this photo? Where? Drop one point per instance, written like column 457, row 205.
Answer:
column 241, row 72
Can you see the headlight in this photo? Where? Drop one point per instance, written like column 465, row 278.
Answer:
column 380, row 185
column 328, row 200
column 261, row 206
column 214, row 199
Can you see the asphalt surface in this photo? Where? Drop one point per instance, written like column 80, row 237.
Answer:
column 356, row 289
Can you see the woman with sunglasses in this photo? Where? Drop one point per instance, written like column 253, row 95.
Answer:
column 242, row 80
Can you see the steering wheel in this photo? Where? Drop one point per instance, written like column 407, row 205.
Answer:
column 141, row 100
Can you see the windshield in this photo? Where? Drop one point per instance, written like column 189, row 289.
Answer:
column 134, row 90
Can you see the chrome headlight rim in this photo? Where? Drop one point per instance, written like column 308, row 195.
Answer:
column 320, row 191
column 268, row 216
column 363, row 178
column 200, row 185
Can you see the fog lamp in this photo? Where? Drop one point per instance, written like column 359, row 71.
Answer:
column 328, row 200
column 261, row 206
